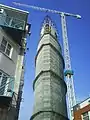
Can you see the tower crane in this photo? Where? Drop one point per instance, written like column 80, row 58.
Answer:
column 68, row 70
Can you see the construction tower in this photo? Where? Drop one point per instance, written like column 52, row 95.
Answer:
column 49, row 86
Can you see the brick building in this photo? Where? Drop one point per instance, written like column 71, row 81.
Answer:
column 82, row 110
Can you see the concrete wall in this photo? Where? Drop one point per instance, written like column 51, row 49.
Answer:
column 49, row 85
column 12, row 65
column 48, row 58
column 8, row 65
column 49, row 39
column 8, row 114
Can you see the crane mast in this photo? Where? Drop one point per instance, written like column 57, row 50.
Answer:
column 68, row 71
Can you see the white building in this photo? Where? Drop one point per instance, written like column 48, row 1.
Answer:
column 12, row 46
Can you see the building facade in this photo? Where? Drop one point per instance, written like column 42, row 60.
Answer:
column 82, row 110
column 49, row 86
column 13, row 33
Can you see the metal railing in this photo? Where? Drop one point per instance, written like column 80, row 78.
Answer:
column 6, row 86
column 12, row 22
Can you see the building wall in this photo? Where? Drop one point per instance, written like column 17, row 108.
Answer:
column 49, row 85
column 13, row 28
column 49, row 56
column 82, row 108
column 78, row 113
column 49, row 39
column 8, row 65
column 6, row 114
column 84, row 103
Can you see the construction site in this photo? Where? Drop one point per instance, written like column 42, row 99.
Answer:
column 53, row 87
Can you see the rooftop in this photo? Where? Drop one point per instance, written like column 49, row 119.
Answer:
column 82, row 104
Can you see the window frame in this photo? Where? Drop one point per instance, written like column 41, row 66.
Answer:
column 85, row 115
column 6, row 47
column 2, row 80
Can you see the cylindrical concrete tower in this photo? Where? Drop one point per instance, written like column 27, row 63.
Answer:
column 49, row 86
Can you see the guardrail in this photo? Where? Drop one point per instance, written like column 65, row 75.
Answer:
column 12, row 22
column 6, row 86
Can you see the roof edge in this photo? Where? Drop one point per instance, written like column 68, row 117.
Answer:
column 82, row 101
column 19, row 10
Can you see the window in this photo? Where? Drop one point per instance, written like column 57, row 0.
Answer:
column 47, row 28
column 6, row 47
column 89, row 101
column 85, row 116
column 0, row 78
column 3, row 80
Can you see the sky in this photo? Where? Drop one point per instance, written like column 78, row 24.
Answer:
column 79, row 44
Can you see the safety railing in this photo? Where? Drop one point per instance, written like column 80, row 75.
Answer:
column 12, row 22
column 6, row 86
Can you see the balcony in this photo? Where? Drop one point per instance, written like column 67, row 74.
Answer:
column 13, row 27
column 6, row 90
column 11, row 22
